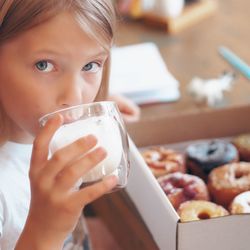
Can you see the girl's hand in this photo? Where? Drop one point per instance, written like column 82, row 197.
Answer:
column 129, row 110
column 55, row 204
column 124, row 6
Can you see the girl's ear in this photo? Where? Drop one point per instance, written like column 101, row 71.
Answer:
column 104, row 88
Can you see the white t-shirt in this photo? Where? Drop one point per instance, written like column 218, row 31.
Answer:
column 14, row 191
column 15, row 198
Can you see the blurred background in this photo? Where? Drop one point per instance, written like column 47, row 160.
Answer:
column 188, row 35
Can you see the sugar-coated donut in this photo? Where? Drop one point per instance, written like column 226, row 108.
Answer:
column 203, row 157
column 226, row 182
column 240, row 204
column 181, row 187
column 242, row 143
column 162, row 161
column 200, row 210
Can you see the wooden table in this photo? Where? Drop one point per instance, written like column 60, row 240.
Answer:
column 191, row 53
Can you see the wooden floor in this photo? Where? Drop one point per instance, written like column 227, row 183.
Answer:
column 100, row 236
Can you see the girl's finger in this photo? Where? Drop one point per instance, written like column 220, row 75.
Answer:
column 88, row 194
column 66, row 156
column 69, row 176
column 41, row 143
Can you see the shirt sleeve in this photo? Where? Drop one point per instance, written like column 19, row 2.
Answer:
column 2, row 205
column 79, row 239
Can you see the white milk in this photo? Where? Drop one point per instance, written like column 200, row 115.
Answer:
column 108, row 134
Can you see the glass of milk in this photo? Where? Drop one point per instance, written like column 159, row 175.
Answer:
column 103, row 120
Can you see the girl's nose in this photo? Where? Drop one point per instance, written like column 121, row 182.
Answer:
column 71, row 90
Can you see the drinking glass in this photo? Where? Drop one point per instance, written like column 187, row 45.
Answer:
column 103, row 120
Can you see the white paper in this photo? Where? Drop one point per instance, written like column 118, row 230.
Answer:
column 140, row 73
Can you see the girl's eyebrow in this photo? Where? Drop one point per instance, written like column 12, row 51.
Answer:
column 100, row 56
column 47, row 52
column 87, row 55
column 102, row 53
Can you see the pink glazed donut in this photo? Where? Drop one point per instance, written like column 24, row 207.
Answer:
column 181, row 187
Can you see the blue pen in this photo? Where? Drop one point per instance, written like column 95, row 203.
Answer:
column 235, row 61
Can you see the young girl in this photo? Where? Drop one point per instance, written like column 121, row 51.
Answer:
column 53, row 54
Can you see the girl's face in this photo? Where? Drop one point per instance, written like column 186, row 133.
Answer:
column 51, row 66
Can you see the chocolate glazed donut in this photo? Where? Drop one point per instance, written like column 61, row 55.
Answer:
column 203, row 157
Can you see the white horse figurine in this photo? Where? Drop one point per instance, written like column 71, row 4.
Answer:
column 210, row 90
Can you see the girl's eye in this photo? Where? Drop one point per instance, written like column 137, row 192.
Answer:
column 44, row 66
column 92, row 67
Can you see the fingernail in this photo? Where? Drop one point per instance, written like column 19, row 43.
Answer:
column 56, row 118
column 91, row 138
column 102, row 152
column 111, row 180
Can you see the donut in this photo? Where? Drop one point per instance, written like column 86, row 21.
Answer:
column 242, row 143
column 200, row 210
column 181, row 187
column 226, row 182
column 202, row 157
column 240, row 204
column 162, row 161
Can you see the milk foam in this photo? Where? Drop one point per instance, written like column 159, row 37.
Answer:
column 108, row 134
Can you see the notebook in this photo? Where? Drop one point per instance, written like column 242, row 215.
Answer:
column 140, row 73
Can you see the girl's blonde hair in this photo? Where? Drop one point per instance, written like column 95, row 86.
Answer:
column 96, row 17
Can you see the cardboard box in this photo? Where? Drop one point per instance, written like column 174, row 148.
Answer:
column 223, row 233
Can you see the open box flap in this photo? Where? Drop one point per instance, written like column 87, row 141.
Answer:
column 193, row 125
column 229, row 232
column 151, row 202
